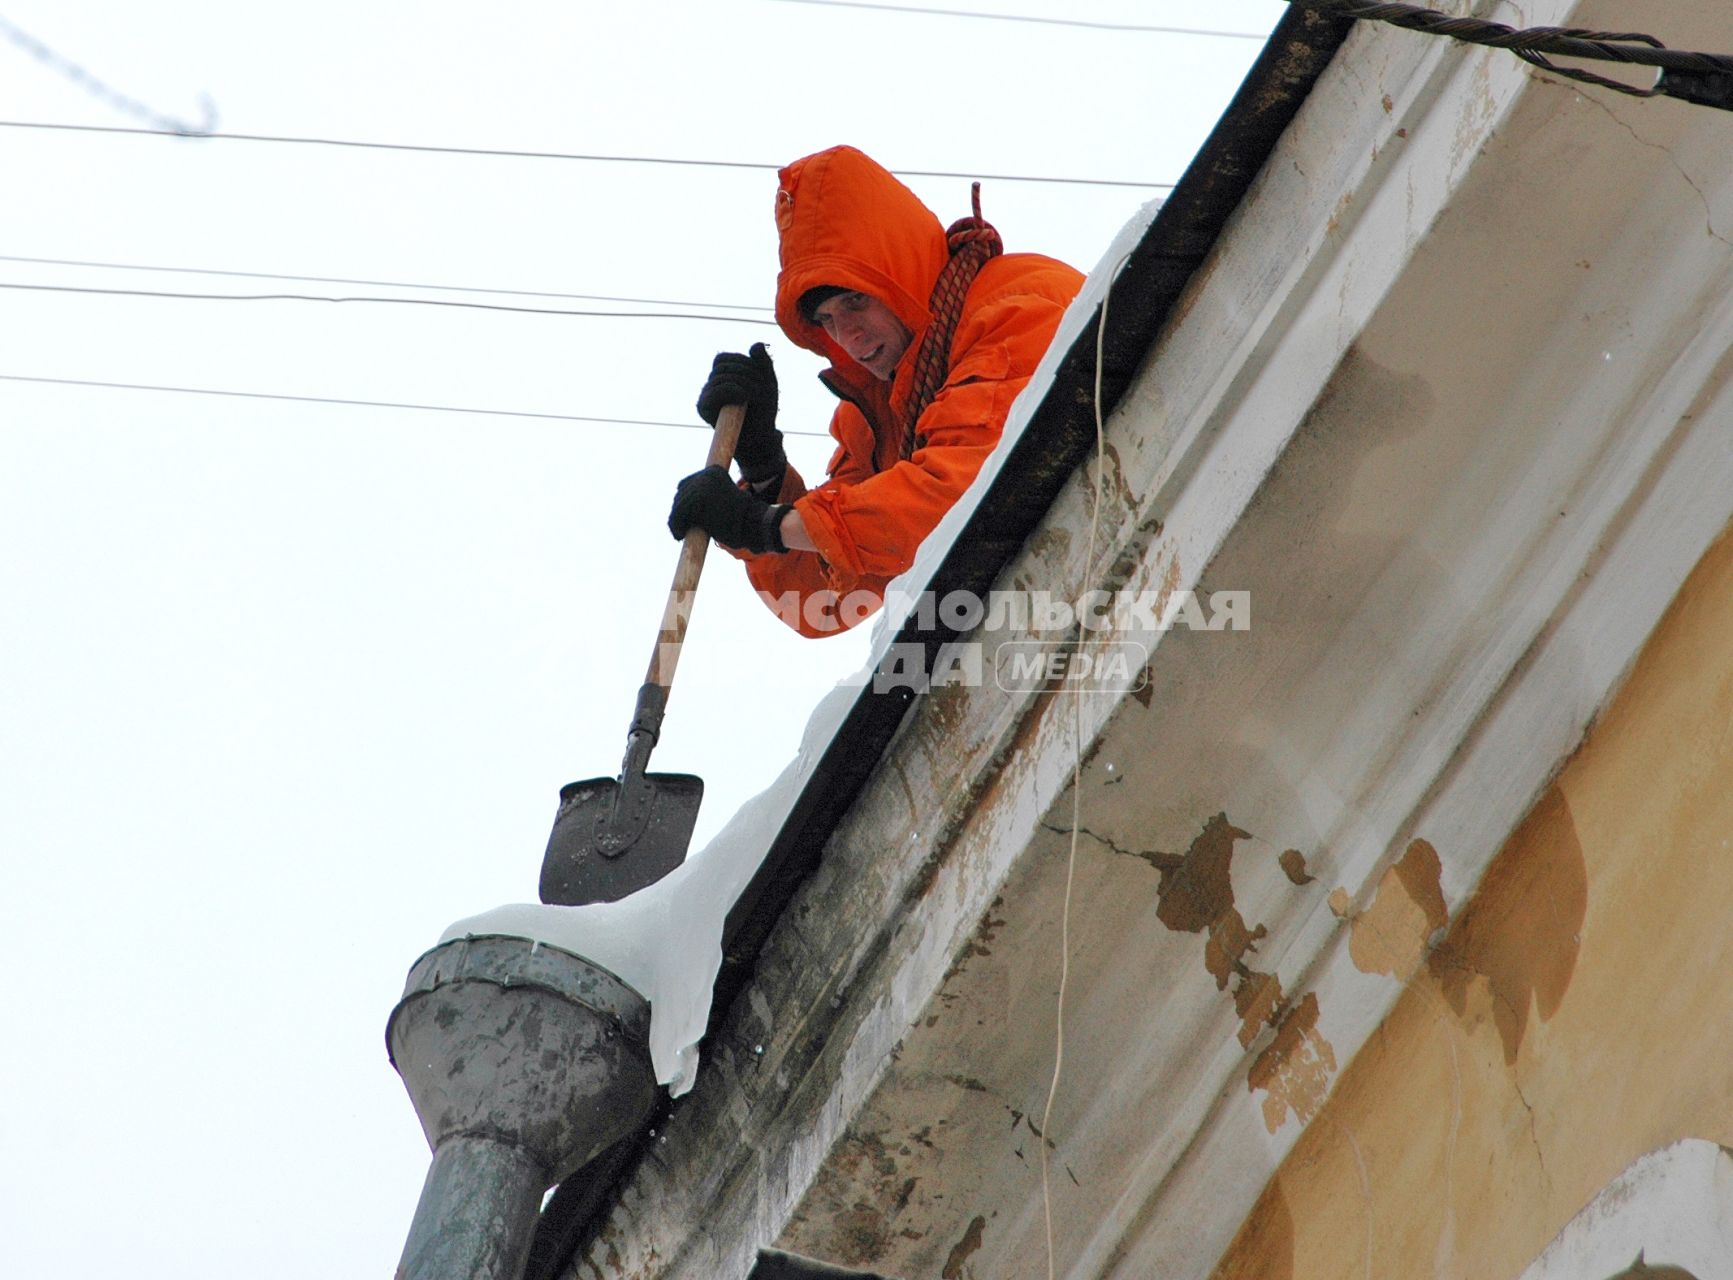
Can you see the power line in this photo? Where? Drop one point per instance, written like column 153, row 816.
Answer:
column 383, row 284
column 376, row 404
column 407, row 302
column 1024, row 17
column 548, row 155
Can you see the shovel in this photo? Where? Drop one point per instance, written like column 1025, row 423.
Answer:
column 614, row 836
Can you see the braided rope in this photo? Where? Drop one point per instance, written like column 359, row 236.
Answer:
column 1535, row 43
column 973, row 242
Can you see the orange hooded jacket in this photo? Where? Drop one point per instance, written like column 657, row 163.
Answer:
column 845, row 221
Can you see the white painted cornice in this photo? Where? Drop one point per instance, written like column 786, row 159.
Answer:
column 1451, row 400
column 1672, row 1208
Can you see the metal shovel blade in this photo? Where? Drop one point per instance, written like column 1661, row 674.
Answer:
column 613, row 837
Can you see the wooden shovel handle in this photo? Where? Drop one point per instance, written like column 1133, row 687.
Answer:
column 692, row 549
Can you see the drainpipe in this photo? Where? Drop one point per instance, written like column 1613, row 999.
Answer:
column 523, row 1063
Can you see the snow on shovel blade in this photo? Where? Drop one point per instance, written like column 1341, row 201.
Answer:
column 613, row 837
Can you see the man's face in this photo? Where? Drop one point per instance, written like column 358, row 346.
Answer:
column 865, row 328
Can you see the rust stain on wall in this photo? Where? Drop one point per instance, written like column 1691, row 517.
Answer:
column 1225, row 950
column 1340, row 212
column 1522, row 932
column 1169, row 584
column 859, row 1205
column 1116, row 477
column 978, row 943
column 1392, row 934
column 1050, row 542
column 1170, row 578
column 964, row 1248
column 1258, row 997
column 1294, row 1071
column 1257, row 1000
column 1197, row 895
column 1195, row 890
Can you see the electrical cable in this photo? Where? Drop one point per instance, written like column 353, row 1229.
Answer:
column 377, row 404
column 383, row 284
column 1076, row 781
column 1023, row 17
column 407, row 302
column 547, row 155
column 1702, row 78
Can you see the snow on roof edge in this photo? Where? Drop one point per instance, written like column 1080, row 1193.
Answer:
column 665, row 941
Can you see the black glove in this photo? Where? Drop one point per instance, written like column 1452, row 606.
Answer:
column 750, row 380
column 710, row 501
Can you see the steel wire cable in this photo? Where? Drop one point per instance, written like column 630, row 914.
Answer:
column 407, row 302
column 381, row 284
column 375, row 404
column 546, row 155
column 1026, row 17
column 1534, row 44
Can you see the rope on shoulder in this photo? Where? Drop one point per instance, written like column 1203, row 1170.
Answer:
column 973, row 242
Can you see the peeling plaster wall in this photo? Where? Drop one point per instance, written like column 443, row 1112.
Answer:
column 1574, row 1016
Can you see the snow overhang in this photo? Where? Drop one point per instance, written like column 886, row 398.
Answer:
column 1448, row 397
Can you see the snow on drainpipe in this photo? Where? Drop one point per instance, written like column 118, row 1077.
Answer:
column 523, row 1062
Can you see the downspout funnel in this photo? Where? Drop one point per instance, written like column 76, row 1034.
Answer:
column 523, row 1062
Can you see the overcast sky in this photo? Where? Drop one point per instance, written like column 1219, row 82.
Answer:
column 287, row 687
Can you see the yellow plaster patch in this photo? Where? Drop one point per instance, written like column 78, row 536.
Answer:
column 1294, row 1072
column 1604, row 917
column 1272, row 1224
column 1391, row 935
column 1523, row 938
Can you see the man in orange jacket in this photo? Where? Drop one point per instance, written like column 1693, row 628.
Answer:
column 930, row 334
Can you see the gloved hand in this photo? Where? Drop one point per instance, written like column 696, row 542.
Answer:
column 748, row 379
column 710, row 501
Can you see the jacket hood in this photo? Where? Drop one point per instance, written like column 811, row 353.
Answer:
column 842, row 219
